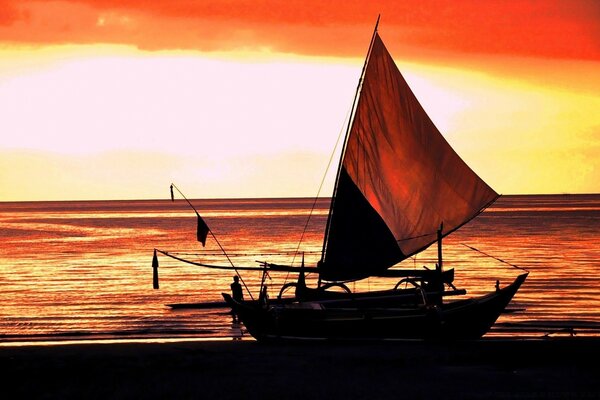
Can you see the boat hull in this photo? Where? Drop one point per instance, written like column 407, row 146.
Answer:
column 458, row 320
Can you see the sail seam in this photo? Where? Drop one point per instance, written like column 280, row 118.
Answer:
column 416, row 237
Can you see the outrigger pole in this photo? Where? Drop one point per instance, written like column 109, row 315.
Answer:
column 200, row 220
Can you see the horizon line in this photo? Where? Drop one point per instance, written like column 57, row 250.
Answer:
column 259, row 198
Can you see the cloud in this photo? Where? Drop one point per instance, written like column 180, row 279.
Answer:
column 551, row 29
column 9, row 13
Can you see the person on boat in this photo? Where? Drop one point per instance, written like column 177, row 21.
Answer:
column 236, row 293
column 236, row 289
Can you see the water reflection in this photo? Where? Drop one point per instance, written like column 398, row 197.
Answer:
column 84, row 268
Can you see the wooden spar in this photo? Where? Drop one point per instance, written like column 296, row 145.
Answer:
column 272, row 267
column 348, row 129
column 439, row 240
column 425, row 274
column 390, row 273
column 210, row 304
column 353, row 297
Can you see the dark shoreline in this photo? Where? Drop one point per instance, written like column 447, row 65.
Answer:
column 554, row 368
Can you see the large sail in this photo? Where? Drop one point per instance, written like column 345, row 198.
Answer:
column 399, row 180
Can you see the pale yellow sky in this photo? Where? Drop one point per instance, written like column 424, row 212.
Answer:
column 114, row 122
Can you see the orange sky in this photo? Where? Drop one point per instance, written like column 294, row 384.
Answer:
column 566, row 29
column 114, row 99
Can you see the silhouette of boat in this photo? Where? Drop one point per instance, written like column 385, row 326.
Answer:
column 398, row 181
column 394, row 319
column 400, row 187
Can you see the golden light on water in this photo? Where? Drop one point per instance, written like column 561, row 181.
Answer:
column 90, row 274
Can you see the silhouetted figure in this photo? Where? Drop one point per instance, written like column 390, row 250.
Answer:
column 236, row 289
column 497, row 285
column 236, row 293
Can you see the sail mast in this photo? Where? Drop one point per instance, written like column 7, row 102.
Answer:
column 349, row 127
column 398, row 180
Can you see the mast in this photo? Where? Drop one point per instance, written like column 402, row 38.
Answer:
column 348, row 129
column 439, row 240
column 399, row 178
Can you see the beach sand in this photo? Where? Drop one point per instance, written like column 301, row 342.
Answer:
column 565, row 368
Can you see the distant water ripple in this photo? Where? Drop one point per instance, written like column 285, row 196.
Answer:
column 83, row 269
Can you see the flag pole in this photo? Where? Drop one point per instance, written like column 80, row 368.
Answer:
column 182, row 195
column 213, row 236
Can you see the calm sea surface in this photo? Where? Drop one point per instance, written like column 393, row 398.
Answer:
column 82, row 269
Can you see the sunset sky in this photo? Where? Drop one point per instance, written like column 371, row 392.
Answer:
column 116, row 99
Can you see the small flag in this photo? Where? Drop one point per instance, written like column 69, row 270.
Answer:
column 172, row 195
column 155, row 270
column 202, row 230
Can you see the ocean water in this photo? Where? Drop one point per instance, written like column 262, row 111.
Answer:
column 82, row 270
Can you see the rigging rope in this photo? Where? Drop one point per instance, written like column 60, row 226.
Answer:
column 495, row 258
column 249, row 254
column 337, row 142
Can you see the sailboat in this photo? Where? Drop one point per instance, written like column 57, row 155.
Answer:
column 400, row 188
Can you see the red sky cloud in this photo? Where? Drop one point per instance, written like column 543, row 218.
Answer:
column 568, row 29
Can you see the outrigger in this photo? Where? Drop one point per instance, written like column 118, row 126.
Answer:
column 400, row 187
